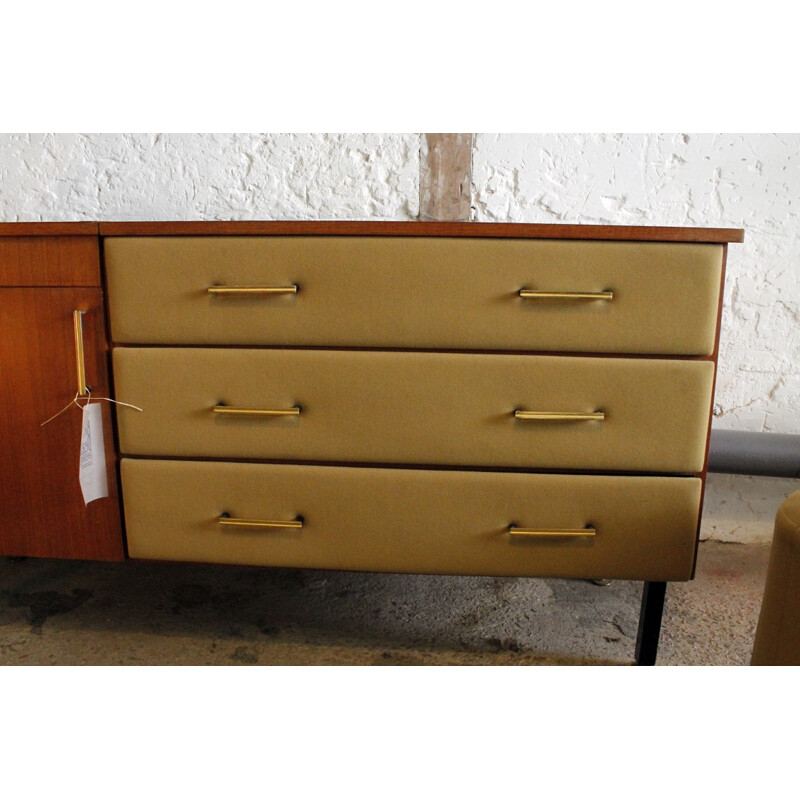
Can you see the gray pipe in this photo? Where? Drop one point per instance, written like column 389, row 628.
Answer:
column 744, row 453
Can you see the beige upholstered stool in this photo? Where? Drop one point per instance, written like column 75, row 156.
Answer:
column 777, row 640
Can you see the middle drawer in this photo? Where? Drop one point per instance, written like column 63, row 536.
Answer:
column 489, row 410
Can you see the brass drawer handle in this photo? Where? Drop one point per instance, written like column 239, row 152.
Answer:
column 228, row 521
column 532, row 294
column 257, row 412
column 515, row 531
column 533, row 416
column 247, row 290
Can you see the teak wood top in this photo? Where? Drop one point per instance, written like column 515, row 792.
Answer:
column 48, row 228
column 377, row 228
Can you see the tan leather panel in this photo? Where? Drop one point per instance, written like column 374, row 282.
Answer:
column 418, row 408
column 434, row 293
column 404, row 520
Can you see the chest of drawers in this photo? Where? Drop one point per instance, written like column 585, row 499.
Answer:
column 464, row 399
column 450, row 398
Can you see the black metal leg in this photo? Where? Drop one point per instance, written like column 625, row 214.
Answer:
column 653, row 596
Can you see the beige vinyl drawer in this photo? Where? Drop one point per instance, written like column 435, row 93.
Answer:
column 415, row 407
column 416, row 292
column 407, row 520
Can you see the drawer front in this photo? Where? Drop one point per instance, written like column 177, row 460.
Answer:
column 405, row 520
column 416, row 292
column 415, row 408
column 49, row 261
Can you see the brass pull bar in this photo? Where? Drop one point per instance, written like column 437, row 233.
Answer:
column 80, row 360
column 531, row 294
column 232, row 522
column 533, row 416
column 257, row 412
column 247, row 290
column 515, row 531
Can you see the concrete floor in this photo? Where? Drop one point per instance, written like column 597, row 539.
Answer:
column 59, row 612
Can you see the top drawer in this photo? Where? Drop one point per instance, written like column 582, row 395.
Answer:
column 49, row 261
column 437, row 293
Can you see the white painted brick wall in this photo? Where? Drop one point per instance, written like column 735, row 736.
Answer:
column 47, row 177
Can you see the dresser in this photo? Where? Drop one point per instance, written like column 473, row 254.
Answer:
column 449, row 398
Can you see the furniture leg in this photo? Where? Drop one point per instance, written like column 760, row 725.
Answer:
column 650, row 622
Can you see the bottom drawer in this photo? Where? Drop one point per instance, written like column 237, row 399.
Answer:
column 411, row 520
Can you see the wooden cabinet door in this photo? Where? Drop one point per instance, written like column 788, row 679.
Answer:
column 42, row 512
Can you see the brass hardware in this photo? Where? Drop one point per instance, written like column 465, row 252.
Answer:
column 257, row 412
column 77, row 326
column 558, row 415
column 531, row 294
column 247, row 290
column 515, row 531
column 233, row 522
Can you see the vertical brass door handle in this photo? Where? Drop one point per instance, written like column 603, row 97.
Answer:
column 80, row 360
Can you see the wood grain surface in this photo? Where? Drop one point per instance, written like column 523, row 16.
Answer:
column 42, row 512
column 49, row 261
column 410, row 228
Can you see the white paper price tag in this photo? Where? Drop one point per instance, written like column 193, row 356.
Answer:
column 94, row 483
